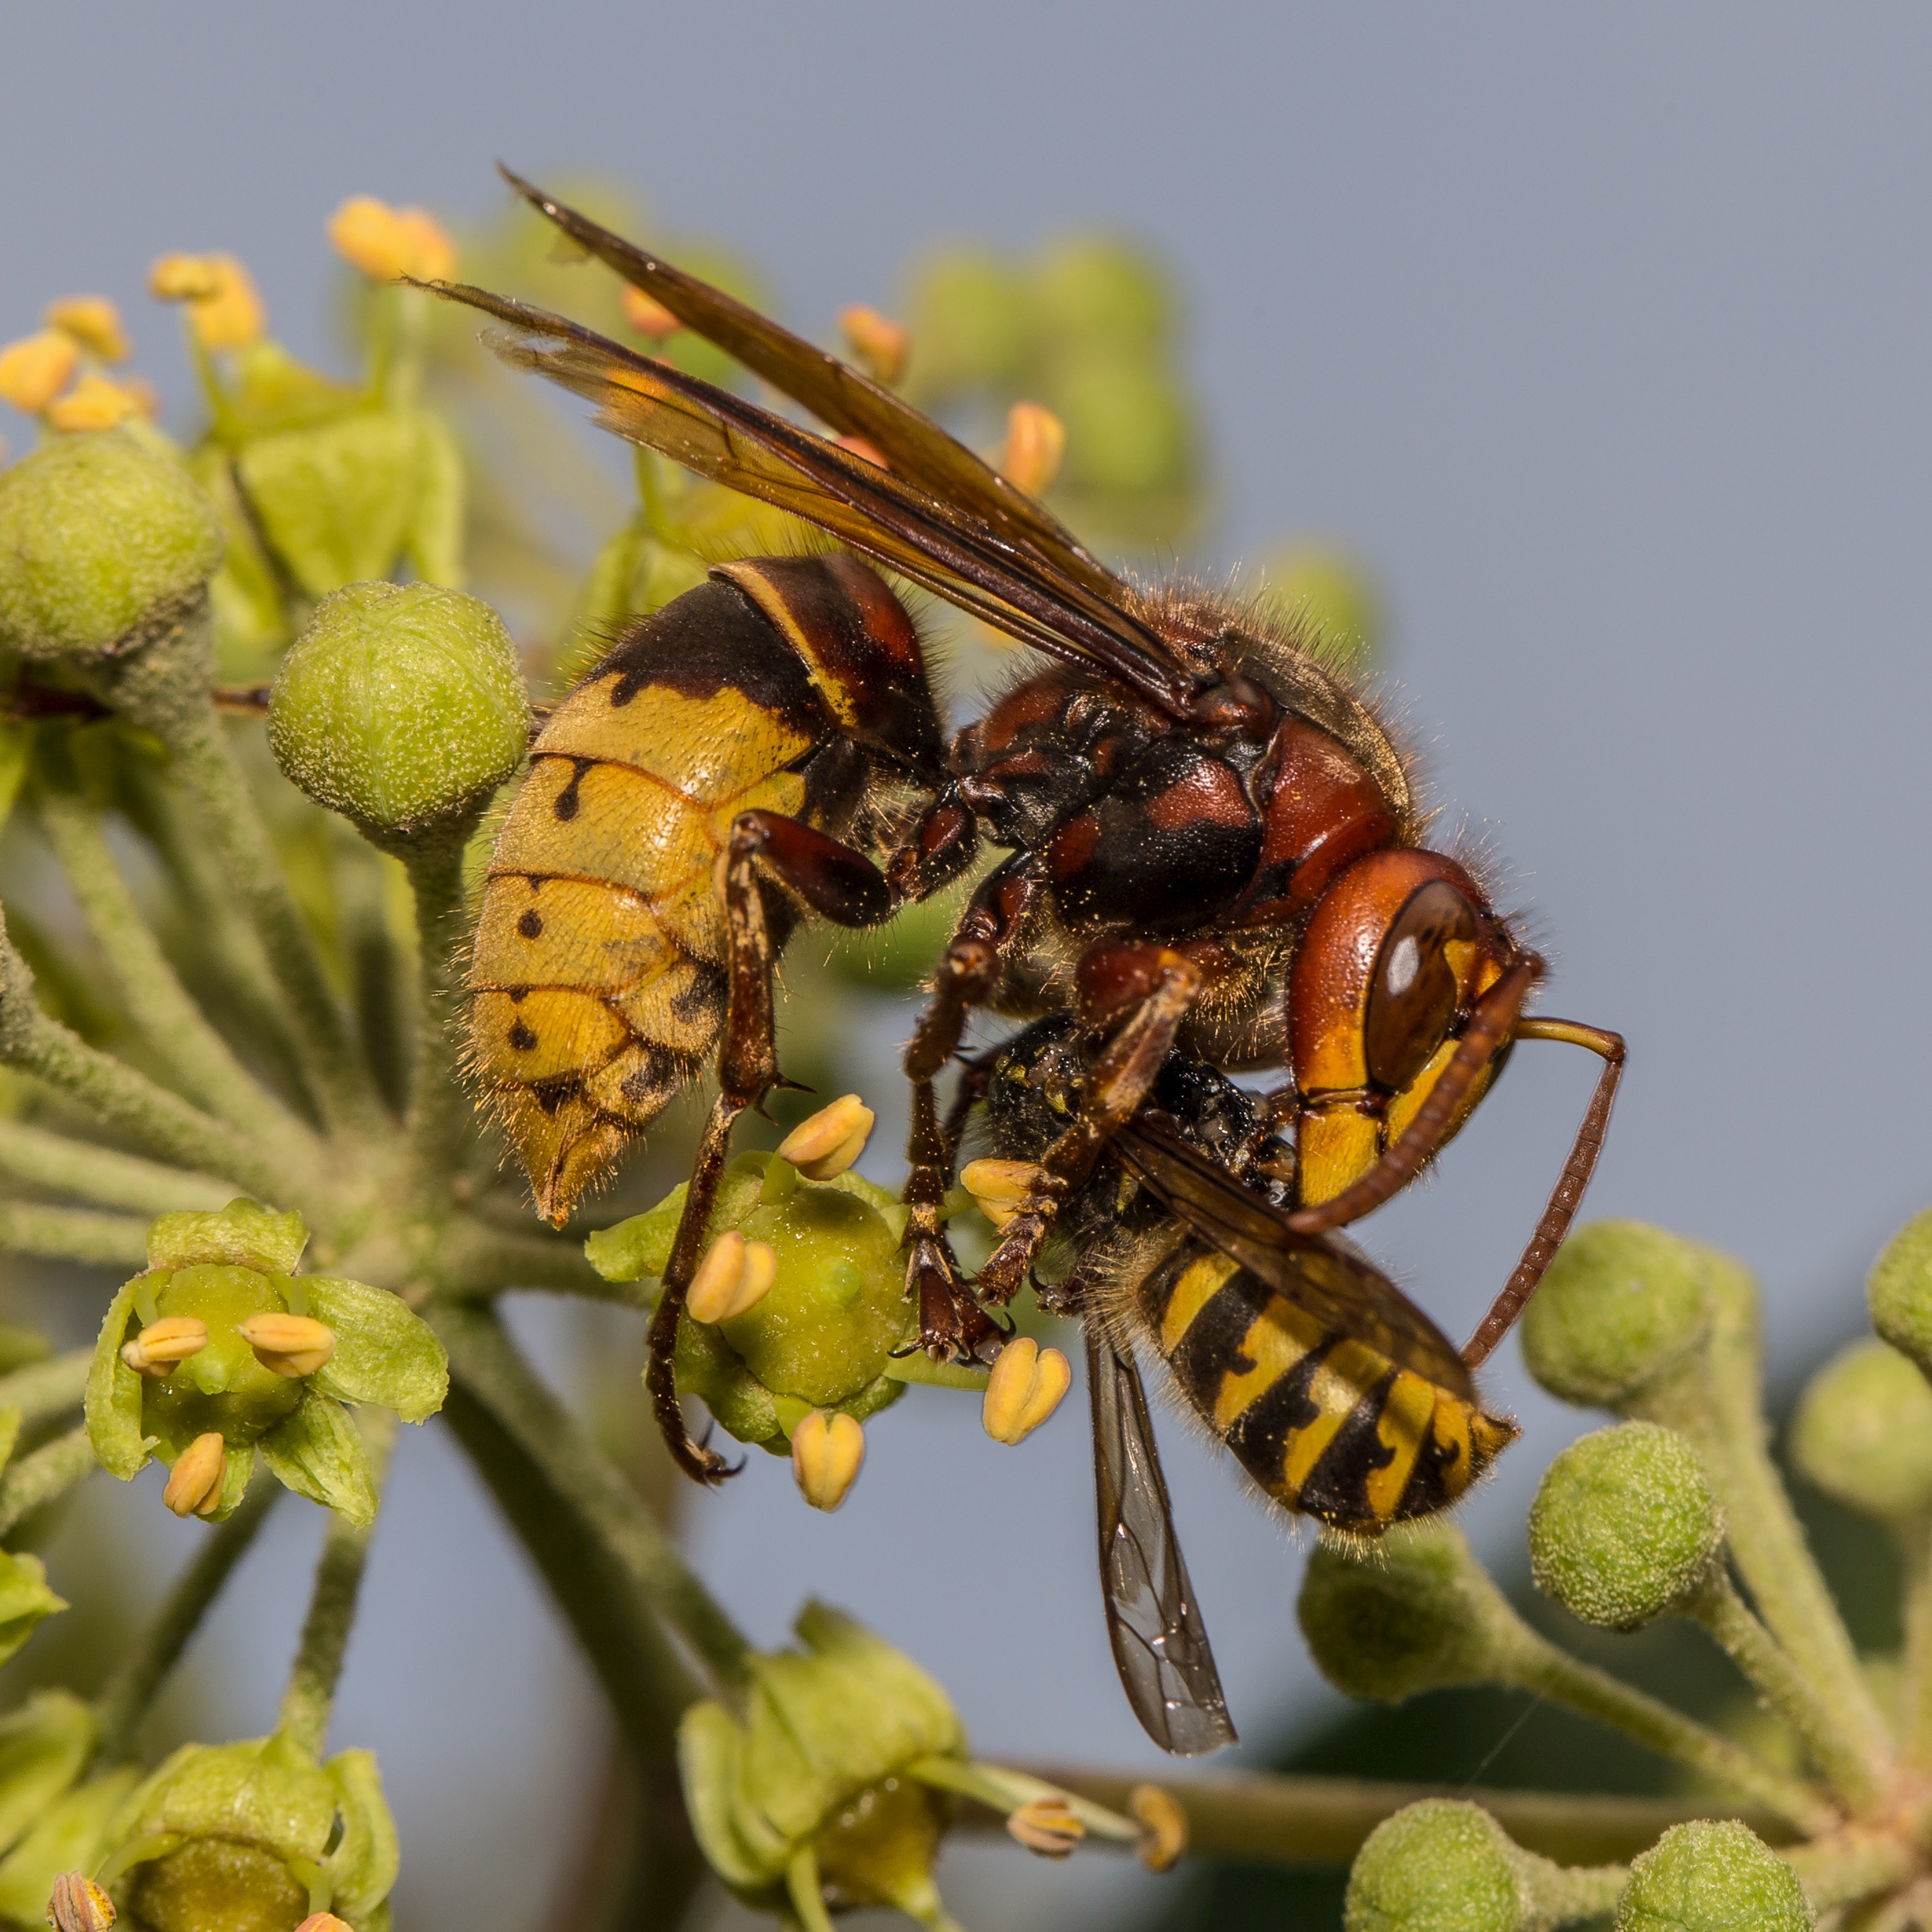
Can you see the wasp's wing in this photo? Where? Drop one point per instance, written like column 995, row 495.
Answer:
column 1160, row 1642
column 913, row 446
column 948, row 551
column 1334, row 1283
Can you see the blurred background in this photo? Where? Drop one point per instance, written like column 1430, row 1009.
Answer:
column 1598, row 337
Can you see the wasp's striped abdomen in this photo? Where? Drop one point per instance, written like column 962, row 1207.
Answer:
column 598, row 975
column 1326, row 1424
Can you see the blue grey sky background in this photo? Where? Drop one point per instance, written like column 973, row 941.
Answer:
column 1601, row 332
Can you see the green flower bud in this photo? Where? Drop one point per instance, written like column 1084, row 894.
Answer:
column 1329, row 596
column 44, row 1747
column 348, row 500
column 1127, row 428
column 1624, row 1525
column 1414, row 1612
column 70, row 1835
column 970, row 321
column 402, row 707
column 1444, row 1866
column 1863, row 1433
column 1095, row 294
column 824, row 1758
column 1712, row 1877
column 1899, row 1291
column 1621, row 1304
column 234, row 1351
column 822, row 1336
column 25, row 1601
column 255, row 1835
column 104, row 547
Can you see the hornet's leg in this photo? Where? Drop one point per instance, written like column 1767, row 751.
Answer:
column 1155, row 986
column 841, row 885
column 951, row 1325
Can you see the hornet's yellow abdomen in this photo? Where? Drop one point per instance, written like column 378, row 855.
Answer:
column 597, row 974
column 1325, row 1423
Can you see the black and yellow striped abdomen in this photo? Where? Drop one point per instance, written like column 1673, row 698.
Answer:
column 1327, row 1425
column 598, row 973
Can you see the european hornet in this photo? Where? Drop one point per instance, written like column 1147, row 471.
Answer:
column 1214, row 850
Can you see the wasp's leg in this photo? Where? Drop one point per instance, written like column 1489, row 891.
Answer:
column 951, row 1325
column 840, row 884
column 1155, row 986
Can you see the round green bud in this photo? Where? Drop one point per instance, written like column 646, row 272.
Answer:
column 1624, row 1525
column 969, row 322
column 104, row 546
column 1712, row 1877
column 1863, row 1433
column 1441, row 1866
column 401, row 706
column 1329, row 596
column 1899, row 1291
column 1127, row 428
column 1095, row 293
column 1414, row 1612
column 1621, row 1303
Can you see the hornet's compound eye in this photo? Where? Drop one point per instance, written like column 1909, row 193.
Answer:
column 1418, row 985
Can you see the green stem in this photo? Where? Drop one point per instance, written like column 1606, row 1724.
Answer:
column 1534, row 1664
column 474, row 1261
column 171, row 1022
column 1851, row 1865
column 1914, row 1537
column 1282, row 1819
column 1717, row 1605
column 43, row 1390
column 310, row 1695
column 1717, row 1400
column 49, row 1472
column 491, row 1383
column 165, row 687
column 440, row 1114
column 1005, row 1791
column 802, row 1888
column 72, row 1234
column 114, row 1093
column 97, row 1174
column 123, row 1699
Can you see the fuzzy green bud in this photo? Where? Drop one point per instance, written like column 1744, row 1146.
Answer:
column 1443, row 1865
column 970, row 322
column 1094, row 294
column 821, row 1336
column 824, row 1758
column 401, row 706
column 1863, row 1433
column 104, row 547
column 1412, row 1613
column 1712, row 1877
column 253, row 1835
column 1624, row 1525
column 1622, row 1304
column 212, row 1350
column 1899, row 1291
column 1329, row 598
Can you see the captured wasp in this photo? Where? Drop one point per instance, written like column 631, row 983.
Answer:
column 1214, row 849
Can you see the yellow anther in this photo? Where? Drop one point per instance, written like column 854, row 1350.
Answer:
column 1036, row 442
column 647, row 315
column 94, row 323
column 880, row 346
column 829, row 1141
column 224, row 308
column 735, row 1274
column 1000, row 1188
column 385, row 242
column 1163, row 1826
column 826, row 1449
column 1047, row 1825
column 79, row 1905
column 1025, row 1387
column 162, row 1344
column 35, row 369
column 195, row 1482
column 94, row 402
column 290, row 1345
